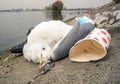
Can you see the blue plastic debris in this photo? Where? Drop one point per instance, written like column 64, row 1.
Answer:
column 84, row 19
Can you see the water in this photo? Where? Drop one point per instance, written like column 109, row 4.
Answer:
column 14, row 25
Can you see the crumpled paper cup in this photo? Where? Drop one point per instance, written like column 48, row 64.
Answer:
column 92, row 48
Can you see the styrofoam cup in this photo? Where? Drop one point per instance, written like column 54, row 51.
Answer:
column 93, row 47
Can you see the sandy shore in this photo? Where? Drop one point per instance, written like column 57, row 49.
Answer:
column 14, row 69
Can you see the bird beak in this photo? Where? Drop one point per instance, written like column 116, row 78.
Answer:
column 43, row 61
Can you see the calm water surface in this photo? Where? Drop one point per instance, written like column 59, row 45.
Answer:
column 14, row 25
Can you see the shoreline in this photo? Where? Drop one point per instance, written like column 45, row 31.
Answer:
column 71, row 21
column 15, row 69
column 4, row 54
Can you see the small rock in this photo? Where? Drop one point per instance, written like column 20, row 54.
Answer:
column 118, row 14
column 111, row 21
column 97, row 65
column 113, row 8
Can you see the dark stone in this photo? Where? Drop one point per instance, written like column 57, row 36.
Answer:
column 17, row 48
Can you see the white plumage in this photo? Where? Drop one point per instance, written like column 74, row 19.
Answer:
column 42, row 39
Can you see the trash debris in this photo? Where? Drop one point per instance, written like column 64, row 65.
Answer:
column 84, row 20
column 78, row 32
column 43, row 70
column 93, row 47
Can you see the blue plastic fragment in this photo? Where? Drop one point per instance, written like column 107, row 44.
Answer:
column 84, row 19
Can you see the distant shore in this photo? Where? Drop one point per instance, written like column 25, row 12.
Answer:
column 35, row 10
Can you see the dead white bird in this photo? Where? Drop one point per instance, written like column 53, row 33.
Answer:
column 42, row 39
